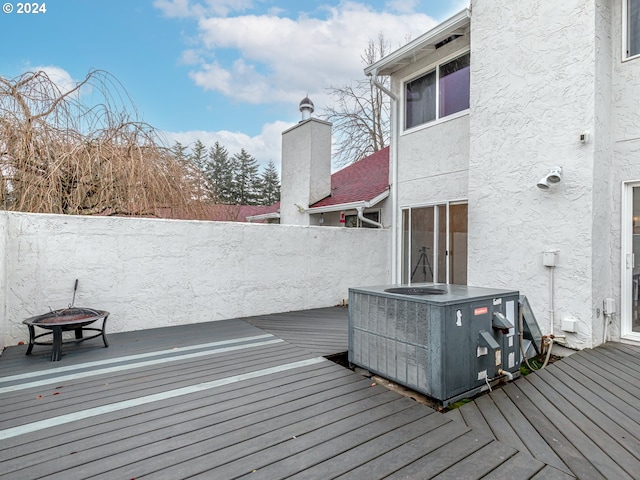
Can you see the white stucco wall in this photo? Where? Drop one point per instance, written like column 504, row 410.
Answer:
column 434, row 164
column 152, row 273
column 625, row 138
column 533, row 84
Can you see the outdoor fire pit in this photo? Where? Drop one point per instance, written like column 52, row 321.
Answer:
column 64, row 320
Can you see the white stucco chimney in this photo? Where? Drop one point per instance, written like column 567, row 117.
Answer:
column 306, row 166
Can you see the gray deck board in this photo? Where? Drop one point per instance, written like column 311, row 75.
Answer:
column 444, row 457
column 579, row 417
column 407, row 453
column 534, row 444
column 322, row 331
column 200, row 410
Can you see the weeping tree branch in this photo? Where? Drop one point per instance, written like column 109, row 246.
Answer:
column 58, row 155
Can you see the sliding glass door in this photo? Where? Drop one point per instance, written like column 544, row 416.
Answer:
column 434, row 244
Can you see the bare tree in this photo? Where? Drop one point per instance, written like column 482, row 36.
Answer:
column 59, row 155
column 360, row 113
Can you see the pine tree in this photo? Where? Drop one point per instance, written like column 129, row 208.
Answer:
column 270, row 191
column 247, row 180
column 220, row 173
column 199, row 155
column 179, row 151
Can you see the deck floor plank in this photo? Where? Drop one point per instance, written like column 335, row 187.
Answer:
column 587, row 447
column 500, row 427
column 474, row 419
column 444, row 457
column 609, row 451
column 288, row 442
column 602, row 387
column 569, row 454
column 352, row 457
column 480, row 463
column 521, row 466
column 215, row 413
column 608, row 422
column 534, row 443
column 234, row 443
column 407, row 453
column 578, row 418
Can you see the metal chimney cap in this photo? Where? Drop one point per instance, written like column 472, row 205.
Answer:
column 306, row 104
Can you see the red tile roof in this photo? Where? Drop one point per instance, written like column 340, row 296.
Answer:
column 361, row 181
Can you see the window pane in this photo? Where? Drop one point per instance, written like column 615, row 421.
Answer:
column 420, row 100
column 454, row 86
column 633, row 12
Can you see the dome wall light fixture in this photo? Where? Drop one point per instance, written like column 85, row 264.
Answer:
column 553, row 176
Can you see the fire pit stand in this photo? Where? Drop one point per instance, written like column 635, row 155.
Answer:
column 64, row 320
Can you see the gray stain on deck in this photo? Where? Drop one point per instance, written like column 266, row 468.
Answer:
column 575, row 419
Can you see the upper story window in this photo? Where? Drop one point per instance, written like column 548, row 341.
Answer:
column 438, row 93
column 632, row 20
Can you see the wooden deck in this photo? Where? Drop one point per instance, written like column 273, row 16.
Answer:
column 326, row 334
column 228, row 399
column 580, row 415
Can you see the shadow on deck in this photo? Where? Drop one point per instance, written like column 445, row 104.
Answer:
column 255, row 397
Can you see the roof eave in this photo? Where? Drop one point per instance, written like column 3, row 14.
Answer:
column 350, row 205
column 263, row 216
column 425, row 42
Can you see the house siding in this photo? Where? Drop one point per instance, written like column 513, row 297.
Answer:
column 533, row 83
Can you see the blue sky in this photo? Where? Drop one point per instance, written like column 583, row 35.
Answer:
column 227, row 70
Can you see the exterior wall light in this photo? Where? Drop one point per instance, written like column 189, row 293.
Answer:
column 551, row 178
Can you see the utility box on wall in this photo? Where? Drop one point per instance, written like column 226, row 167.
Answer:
column 445, row 341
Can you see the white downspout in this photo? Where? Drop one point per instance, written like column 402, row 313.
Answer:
column 361, row 216
column 393, row 158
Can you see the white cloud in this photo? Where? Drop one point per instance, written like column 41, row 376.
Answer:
column 60, row 77
column 264, row 147
column 266, row 58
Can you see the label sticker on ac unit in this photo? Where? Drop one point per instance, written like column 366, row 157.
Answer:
column 481, row 311
column 497, row 301
column 459, row 318
column 512, row 359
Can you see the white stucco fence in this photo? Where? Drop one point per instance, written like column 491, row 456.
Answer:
column 152, row 273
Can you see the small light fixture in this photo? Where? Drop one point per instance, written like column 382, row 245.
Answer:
column 551, row 178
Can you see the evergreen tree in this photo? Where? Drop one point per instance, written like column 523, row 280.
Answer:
column 246, row 181
column 179, row 151
column 220, row 173
column 270, row 191
column 199, row 155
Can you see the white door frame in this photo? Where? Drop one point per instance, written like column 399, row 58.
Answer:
column 627, row 262
column 435, row 246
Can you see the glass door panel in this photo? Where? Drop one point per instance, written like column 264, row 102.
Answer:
column 421, row 245
column 458, row 232
column 635, row 278
column 434, row 244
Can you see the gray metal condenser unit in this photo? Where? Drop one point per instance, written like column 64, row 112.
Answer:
column 445, row 341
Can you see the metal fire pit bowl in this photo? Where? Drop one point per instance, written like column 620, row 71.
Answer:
column 64, row 320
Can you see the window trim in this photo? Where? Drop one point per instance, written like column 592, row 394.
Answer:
column 625, row 33
column 435, row 66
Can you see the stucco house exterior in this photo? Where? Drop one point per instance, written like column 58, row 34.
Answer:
column 355, row 196
column 489, row 109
